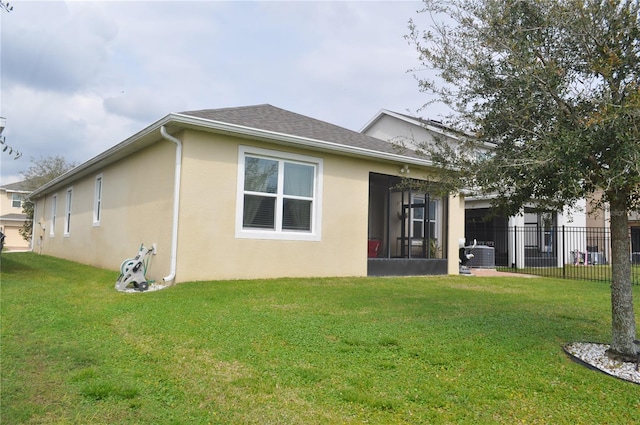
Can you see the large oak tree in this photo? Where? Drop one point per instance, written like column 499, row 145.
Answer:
column 555, row 84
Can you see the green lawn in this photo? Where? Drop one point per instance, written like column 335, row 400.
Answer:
column 591, row 272
column 301, row 351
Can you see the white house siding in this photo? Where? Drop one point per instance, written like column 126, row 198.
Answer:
column 399, row 132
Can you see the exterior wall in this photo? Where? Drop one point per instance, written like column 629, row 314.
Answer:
column 137, row 195
column 596, row 217
column 574, row 217
column 137, row 206
column 208, row 248
column 455, row 233
column 6, row 206
column 396, row 131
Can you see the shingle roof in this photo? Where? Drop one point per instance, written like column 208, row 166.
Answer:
column 14, row 217
column 273, row 119
column 275, row 124
column 424, row 121
column 15, row 187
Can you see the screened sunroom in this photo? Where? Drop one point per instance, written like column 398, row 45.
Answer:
column 407, row 224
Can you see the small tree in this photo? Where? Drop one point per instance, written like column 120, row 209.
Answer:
column 555, row 85
column 41, row 171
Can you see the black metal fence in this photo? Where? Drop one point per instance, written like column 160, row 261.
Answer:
column 582, row 253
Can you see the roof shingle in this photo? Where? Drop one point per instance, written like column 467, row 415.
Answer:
column 15, row 187
column 270, row 118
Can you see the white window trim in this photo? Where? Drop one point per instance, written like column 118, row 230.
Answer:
column 316, row 214
column 67, row 211
column 97, row 200
column 16, row 197
column 54, row 207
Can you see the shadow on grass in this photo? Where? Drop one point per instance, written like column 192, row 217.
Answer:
column 9, row 265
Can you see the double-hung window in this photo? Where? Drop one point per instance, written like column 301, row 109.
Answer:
column 16, row 200
column 67, row 212
column 279, row 195
column 54, row 208
column 97, row 200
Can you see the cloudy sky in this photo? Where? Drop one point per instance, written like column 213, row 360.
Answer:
column 78, row 77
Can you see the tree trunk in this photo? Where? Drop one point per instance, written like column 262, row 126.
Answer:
column 623, row 320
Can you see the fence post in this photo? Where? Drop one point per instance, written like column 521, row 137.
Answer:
column 515, row 247
column 564, row 254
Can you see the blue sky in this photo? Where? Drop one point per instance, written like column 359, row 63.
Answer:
column 79, row 77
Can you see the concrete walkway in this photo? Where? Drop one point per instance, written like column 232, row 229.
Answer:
column 495, row 273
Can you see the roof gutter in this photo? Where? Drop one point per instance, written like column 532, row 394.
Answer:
column 97, row 161
column 176, row 204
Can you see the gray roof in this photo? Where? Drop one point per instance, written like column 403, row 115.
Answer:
column 424, row 121
column 270, row 118
column 14, row 217
column 261, row 122
column 15, row 187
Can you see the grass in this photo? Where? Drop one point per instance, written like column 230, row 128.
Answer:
column 433, row 350
column 570, row 271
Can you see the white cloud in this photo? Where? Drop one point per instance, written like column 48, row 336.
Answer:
column 62, row 53
column 144, row 104
column 74, row 126
column 79, row 77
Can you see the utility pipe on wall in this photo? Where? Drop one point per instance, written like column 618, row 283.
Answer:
column 176, row 203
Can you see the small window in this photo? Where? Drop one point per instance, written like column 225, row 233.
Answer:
column 54, row 207
column 97, row 201
column 279, row 195
column 67, row 212
column 16, row 200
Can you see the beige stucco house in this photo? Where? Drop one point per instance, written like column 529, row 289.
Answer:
column 250, row 192
column 11, row 216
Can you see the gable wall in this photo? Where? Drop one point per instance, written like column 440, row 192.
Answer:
column 396, row 131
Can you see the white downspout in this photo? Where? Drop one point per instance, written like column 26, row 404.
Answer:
column 33, row 229
column 176, row 204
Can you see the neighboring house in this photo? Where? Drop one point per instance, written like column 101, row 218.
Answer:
column 539, row 240
column 11, row 216
column 599, row 218
column 250, row 192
